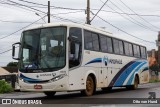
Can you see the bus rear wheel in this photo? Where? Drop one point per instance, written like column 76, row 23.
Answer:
column 135, row 85
column 50, row 93
column 90, row 87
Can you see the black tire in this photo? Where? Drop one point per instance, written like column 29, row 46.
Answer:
column 90, row 87
column 135, row 85
column 107, row 89
column 50, row 93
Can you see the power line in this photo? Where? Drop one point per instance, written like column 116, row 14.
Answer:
column 69, row 12
column 99, row 10
column 124, row 31
column 5, row 51
column 51, row 6
column 66, row 8
column 22, row 28
column 26, row 6
column 35, row 12
column 128, row 13
column 139, row 15
column 44, row 12
column 63, row 19
column 33, row 3
column 6, row 21
column 129, row 19
column 22, row 7
column 2, row 2
column 133, row 18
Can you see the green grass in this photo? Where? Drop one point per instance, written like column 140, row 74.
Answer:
column 153, row 81
column 5, row 87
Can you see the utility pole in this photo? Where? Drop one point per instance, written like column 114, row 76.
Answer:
column 158, row 44
column 88, row 12
column 48, row 12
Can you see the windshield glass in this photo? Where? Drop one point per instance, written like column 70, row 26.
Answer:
column 43, row 49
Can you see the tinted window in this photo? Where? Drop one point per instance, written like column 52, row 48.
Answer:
column 138, row 51
column 106, row 44
column 116, row 46
column 95, row 42
column 130, row 50
column 135, row 50
column 88, row 40
column 145, row 56
column 126, row 48
column 91, row 41
column 143, row 52
column 75, row 57
column 121, row 50
column 109, row 44
column 76, row 33
column 103, row 43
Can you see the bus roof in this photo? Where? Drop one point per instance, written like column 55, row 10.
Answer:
column 83, row 26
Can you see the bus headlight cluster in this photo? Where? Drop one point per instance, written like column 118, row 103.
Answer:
column 21, row 79
column 58, row 77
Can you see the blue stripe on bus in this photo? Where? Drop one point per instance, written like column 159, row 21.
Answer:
column 136, row 70
column 119, row 73
column 125, row 73
column 94, row 61
column 27, row 78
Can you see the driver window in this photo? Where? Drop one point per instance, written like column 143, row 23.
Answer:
column 75, row 48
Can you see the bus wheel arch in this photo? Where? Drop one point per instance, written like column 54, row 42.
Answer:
column 50, row 93
column 137, row 76
column 90, row 85
column 135, row 83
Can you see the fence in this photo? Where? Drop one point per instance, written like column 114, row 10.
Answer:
column 154, row 76
column 10, row 78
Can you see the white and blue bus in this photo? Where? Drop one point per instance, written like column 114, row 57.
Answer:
column 64, row 56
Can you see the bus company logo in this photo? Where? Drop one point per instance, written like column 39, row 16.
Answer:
column 106, row 61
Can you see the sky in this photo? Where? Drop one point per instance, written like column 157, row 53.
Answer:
column 141, row 19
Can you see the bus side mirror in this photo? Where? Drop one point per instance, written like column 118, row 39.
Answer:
column 14, row 46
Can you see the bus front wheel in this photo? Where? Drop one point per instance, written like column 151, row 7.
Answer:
column 90, row 87
column 50, row 93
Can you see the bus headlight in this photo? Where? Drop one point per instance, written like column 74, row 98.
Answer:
column 21, row 79
column 58, row 77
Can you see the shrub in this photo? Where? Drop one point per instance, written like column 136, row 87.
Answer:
column 5, row 87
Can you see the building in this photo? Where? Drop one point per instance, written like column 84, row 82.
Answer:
column 152, row 57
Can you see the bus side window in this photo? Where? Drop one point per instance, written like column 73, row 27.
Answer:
column 138, row 51
column 75, row 48
column 109, row 44
column 121, row 50
column 88, row 40
column 95, row 42
column 126, row 48
column 130, row 49
column 143, row 52
column 116, row 46
column 103, row 43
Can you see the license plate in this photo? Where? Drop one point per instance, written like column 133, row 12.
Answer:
column 37, row 86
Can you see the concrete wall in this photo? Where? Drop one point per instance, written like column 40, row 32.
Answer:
column 3, row 71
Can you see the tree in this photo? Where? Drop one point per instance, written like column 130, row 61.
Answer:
column 12, row 64
column 155, row 68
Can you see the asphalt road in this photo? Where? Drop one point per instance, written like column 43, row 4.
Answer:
column 100, row 97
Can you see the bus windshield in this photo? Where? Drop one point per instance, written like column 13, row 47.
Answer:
column 43, row 49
